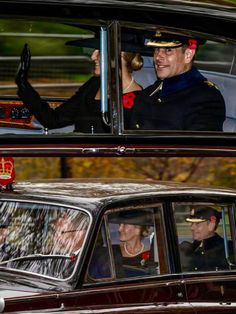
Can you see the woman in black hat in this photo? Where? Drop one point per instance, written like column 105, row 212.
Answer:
column 83, row 108
column 134, row 227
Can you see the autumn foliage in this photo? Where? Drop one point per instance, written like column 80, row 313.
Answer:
column 200, row 170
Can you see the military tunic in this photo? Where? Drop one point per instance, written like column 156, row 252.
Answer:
column 184, row 102
column 208, row 254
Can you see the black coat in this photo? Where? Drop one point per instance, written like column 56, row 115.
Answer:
column 124, row 266
column 81, row 109
column 208, row 254
column 185, row 102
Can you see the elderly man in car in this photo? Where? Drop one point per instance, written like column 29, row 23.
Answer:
column 207, row 251
column 181, row 98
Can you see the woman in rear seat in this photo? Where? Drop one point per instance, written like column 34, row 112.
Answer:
column 134, row 255
column 83, row 108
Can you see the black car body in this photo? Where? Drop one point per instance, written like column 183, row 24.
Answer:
column 213, row 21
column 37, row 277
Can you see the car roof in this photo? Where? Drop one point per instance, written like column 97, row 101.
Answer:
column 212, row 17
column 151, row 3
column 86, row 193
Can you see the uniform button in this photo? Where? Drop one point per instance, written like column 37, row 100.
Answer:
column 137, row 126
column 159, row 99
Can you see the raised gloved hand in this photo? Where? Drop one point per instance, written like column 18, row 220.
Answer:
column 23, row 68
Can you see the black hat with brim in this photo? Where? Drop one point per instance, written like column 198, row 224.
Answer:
column 203, row 214
column 132, row 217
column 129, row 43
column 168, row 40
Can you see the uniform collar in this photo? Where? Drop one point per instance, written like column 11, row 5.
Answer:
column 207, row 243
column 179, row 82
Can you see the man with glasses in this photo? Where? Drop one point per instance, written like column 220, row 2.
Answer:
column 181, row 98
column 69, row 234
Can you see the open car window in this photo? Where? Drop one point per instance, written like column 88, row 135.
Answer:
column 160, row 107
column 41, row 239
column 61, row 61
column 58, row 66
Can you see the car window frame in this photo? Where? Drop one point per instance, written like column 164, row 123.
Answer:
column 160, row 238
column 231, row 216
column 71, row 278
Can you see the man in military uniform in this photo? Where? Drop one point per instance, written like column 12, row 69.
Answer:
column 181, row 98
column 207, row 251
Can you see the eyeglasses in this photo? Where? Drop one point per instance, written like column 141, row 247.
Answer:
column 67, row 231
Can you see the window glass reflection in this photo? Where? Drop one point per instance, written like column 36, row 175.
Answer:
column 42, row 239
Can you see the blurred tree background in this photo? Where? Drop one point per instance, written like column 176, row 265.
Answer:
column 207, row 171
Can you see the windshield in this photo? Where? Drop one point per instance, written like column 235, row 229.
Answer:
column 41, row 238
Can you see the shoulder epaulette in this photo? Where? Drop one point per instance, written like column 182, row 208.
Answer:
column 211, row 84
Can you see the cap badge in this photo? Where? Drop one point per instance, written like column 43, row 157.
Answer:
column 158, row 34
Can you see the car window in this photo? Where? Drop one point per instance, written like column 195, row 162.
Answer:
column 216, row 62
column 41, row 238
column 61, row 62
column 130, row 244
column 58, row 67
column 206, row 241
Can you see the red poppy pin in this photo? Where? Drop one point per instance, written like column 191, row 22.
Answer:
column 73, row 258
column 192, row 44
column 128, row 100
column 145, row 257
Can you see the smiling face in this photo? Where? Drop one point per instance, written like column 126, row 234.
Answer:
column 128, row 232
column 170, row 62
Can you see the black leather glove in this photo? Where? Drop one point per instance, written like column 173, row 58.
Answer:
column 23, row 68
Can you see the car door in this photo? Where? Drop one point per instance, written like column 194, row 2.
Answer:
column 210, row 287
column 109, row 283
